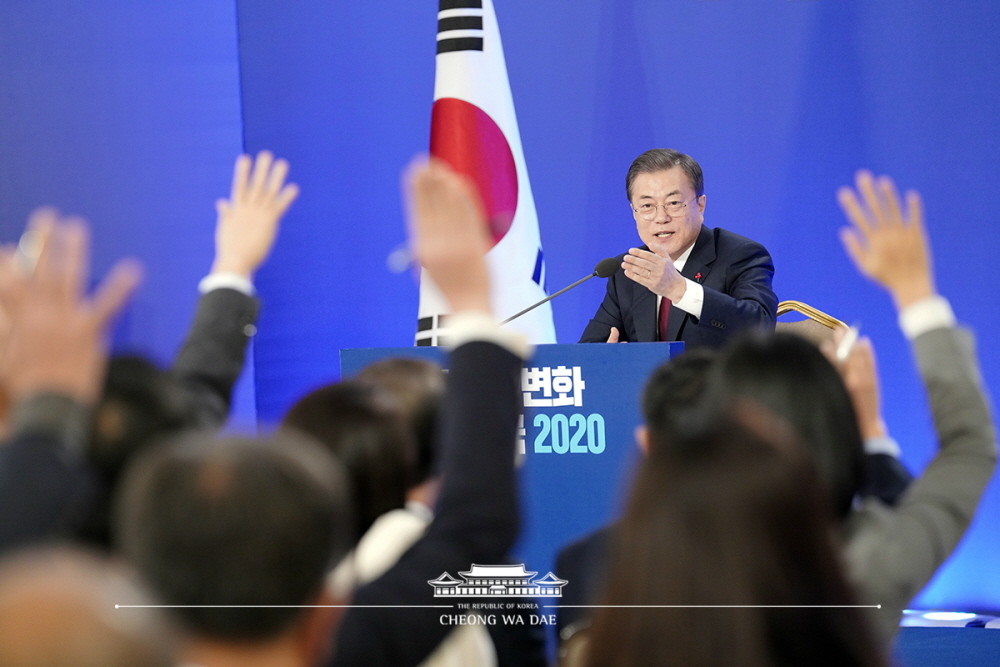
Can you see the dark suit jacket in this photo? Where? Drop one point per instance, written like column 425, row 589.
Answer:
column 582, row 563
column 44, row 489
column 736, row 274
column 476, row 520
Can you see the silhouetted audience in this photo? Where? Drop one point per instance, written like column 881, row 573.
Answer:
column 87, row 436
column 67, row 608
column 239, row 534
column 672, row 402
column 770, row 488
column 737, row 518
column 418, row 386
column 363, row 426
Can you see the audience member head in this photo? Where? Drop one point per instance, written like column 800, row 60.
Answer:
column 362, row 425
column 237, row 521
column 140, row 404
column 734, row 516
column 790, row 376
column 58, row 609
column 673, row 402
column 418, row 386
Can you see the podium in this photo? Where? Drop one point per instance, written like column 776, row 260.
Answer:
column 581, row 406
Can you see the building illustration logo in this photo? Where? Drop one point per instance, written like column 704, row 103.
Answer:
column 508, row 581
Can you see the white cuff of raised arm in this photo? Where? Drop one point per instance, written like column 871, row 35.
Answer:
column 925, row 315
column 693, row 299
column 882, row 444
column 228, row 280
column 475, row 326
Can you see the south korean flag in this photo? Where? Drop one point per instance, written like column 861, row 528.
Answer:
column 474, row 129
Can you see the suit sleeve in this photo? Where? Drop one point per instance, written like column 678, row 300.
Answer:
column 45, row 482
column 748, row 299
column 476, row 521
column 892, row 554
column 212, row 357
column 608, row 315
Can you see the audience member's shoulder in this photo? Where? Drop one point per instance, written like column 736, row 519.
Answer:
column 589, row 546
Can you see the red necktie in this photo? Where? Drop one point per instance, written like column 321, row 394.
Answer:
column 664, row 316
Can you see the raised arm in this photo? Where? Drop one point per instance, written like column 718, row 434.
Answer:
column 477, row 514
column 52, row 368
column 212, row 357
column 893, row 554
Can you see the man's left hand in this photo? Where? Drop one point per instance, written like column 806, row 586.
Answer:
column 655, row 272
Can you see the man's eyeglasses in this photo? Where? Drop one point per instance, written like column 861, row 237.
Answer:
column 647, row 211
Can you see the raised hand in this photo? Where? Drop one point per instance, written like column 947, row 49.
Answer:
column 860, row 374
column 56, row 341
column 448, row 233
column 887, row 244
column 248, row 221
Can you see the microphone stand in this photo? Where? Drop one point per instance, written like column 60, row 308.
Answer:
column 547, row 299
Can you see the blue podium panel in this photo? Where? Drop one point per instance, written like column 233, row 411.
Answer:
column 581, row 407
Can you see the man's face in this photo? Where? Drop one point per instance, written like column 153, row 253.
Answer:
column 667, row 233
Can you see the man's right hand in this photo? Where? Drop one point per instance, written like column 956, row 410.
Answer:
column 56, row 342
column 613, row 338
column 886, row 245
column 248, row 220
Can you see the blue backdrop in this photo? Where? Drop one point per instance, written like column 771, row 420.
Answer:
column 131, row 114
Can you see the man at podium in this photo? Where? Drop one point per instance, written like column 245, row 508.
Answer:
column 688, row 282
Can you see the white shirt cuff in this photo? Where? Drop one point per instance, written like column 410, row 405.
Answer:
column 694, row 297
column 925, row 315
column 475, row 326
column 882, row 444
column 223, row 279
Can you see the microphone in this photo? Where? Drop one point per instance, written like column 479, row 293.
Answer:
column 604, row 269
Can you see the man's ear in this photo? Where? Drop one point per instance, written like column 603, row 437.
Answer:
column 318, row 631
column 642, row 438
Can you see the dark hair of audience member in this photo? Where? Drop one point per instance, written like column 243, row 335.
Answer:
column 730, row 517
column 418, row 386
column 362, row 425
column 672, row 401
column 791, row 377
column 140, row 404
column 58, row 609
column 235, row 521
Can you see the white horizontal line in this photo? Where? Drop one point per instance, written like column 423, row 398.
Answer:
column 455, row 34
column 712, row 606
column 466, row 11
column 284, row 606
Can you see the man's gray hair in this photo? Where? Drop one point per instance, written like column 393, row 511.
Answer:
column 661, row 159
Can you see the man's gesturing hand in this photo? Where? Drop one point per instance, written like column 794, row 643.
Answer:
column 248, row 220
column 655, row 272
column 886, row 244
column 448, row 233
column 57, row 337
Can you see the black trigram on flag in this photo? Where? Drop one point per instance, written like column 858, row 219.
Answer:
column 460, row 26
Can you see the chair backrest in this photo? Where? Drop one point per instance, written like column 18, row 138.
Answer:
column 818, row 327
